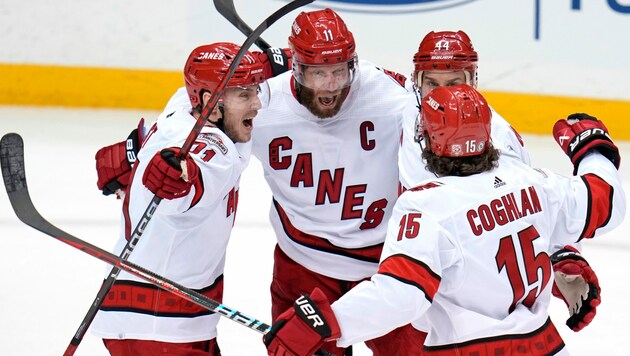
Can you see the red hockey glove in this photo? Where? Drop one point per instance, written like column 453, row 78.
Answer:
column 163, row 175
column 576, row 284
column 303, row 329
column 276, row 61
column 580, row 133
column 114, row 162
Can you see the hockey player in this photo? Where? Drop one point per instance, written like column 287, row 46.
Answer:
column 187, row 236
column 328, row 143
column 448, row 58
column 484, row 219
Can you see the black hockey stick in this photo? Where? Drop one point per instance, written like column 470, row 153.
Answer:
column 14, row 177
column 209, row 107
column 228, row 11
column 192, row 136
column 13, row 173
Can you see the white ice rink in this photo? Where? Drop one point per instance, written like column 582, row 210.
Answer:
column 47, row 286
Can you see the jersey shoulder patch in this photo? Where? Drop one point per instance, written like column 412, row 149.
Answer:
column 214, row 140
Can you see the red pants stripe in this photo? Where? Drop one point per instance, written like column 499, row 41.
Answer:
column 544, row 341
column 137, row 297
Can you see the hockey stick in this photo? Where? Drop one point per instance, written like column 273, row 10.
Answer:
column 227, row 10
column 207, row 109
column 192, row 136
column 13, row 173
column 14, row 177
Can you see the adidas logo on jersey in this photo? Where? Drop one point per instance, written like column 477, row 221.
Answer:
column 498, row 182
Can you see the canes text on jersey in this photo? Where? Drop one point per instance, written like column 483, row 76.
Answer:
column 330, row 183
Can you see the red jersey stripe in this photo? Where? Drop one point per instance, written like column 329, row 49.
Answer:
column 600, row 197
column 369, row 253
column 411, row 271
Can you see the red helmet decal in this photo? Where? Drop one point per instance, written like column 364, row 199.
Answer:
column 446, row 50
column 321, row 37
column 457, row 121
column 207, row 65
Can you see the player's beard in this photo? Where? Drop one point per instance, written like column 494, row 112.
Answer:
column 308, row 98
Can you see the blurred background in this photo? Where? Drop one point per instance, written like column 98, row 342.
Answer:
column 77, row 75
column 539, row 60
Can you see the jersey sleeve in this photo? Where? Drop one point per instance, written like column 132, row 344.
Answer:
column 507, row 139
column 411, row 166
column 415, row 253
column 215, row 167
column 208, row 152
column 589, row 204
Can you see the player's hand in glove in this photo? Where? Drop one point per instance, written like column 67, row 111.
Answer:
column 276, row 61
column 303, row 329
column 114, row 162
column 577, row 285
column 579, row 133
column 164, row 177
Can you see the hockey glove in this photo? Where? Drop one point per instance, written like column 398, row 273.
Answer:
column 577, row 285
column 163, row 175
column 303, row 329
column 276, row 61
column 114, row 162
column 580, row 133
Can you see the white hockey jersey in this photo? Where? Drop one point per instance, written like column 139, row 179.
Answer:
column 185, row 240
column 334, row 181
column 471, row 255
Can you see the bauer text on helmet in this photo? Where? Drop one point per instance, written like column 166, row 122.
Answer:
column 321, row 39
column 207, row 65
column 446, row 51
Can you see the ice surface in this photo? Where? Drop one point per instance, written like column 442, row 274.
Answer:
column 47, row 286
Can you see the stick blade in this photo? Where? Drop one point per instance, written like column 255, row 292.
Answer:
column 12, row 160
column 14, row 176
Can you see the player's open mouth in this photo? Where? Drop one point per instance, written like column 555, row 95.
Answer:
column 328, row 100
column 248, row 122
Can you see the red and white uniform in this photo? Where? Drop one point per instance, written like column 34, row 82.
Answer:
column 471, row 254
column 334, row 180
column 411, row 164
column 185, row 240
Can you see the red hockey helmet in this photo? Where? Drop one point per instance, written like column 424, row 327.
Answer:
column 207, row 65
column 457, row 121
column 321, row 38
column 446, row 50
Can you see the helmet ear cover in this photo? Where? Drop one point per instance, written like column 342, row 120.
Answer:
column 448, row 51
column 208, row 64
column 457, row 121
